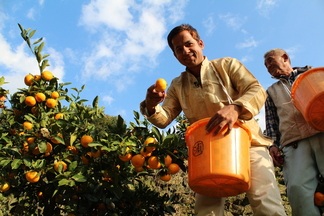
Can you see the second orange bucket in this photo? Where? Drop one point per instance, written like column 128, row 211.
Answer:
column 307, row 93
column 218, row 166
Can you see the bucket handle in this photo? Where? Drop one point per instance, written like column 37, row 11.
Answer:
column 230, row 100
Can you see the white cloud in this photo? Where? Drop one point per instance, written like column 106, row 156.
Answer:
column 132, row 35
column 264, row 7
column 108, row 99
column 233, row 21
column 209, row 24
column 246, row 58
column 31, row 13
column 248, row 43
column 3, row 18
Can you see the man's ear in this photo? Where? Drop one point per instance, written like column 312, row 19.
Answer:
column 285, row 57
column 201, row 44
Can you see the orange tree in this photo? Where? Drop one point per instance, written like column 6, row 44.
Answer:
column 62, row 160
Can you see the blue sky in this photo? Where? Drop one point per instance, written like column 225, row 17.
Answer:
column 118, row 48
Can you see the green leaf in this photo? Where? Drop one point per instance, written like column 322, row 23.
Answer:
column 39, row 57
column 42, row 147
column 95, row 102
column 4, row 163
column 68, row 182
column 41, row 46
column 31, row 34
column 79, row 178
column 73, row 138
column 73, row 165
column 27, row 162
column 39, row 40
column 93, row 144
column 16, row 163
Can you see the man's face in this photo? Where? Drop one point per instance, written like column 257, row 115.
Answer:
column 277, row 64
column 187, row 50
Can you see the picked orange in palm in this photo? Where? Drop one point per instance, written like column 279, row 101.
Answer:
column 160, row 85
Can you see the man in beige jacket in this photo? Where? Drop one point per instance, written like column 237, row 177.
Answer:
column 198, row 93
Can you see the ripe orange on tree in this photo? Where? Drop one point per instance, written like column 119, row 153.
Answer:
column 51, row 103
column 145, row 153
column 173, row 168
column 30, row 140
column 167, row 160
column 154, row 162
column 166, row 177
column 59, row 116
column 58, row 164
column 32, row 176
column 85, row 140
column 148, row 141
column 125, row 157
column 49, row 147
column 4, row 187
column 138, row 160
column 55, row 95
column 40, row 97
column 73, row 149
column 47, row 75
column 160, row 85
column 34, row 110
column 29, row 80
column 30, row 101
column 28, row 125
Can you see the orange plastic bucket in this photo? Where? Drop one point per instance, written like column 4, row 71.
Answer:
column 218, row 166
column 307, row 94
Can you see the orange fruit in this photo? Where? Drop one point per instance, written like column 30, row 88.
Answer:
column 148, row 141
column 73, row 149
column 51, row 103
column 49, row 147
column 59, row 116
column 166, row 177
column 160, row 85
column 32, row 176
column 37, row 77
column 138, row 169
column 17, row 112
column 101, row 206
column 25, row 148
column 95, row 154
column 319, row 199
column 85, row 140
column 40, row 97
column 36, row 151
column 4, row 187
column 30, row 101
column 28, row 125
column 34, row 110
column 154, row 162
column 55, row 95
column 138, row 160
column 167, row 161
column 84, row 160
column 30, row 140
column 47, row 75
column 53, row 140
column 145, row 153
column 126, row 157
column 173, row 168
column 58, row 164
column 29, row 80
